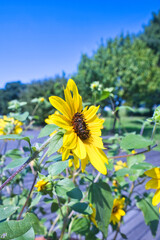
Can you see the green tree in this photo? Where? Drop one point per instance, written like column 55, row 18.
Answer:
column 126, row 64
column 151, row 33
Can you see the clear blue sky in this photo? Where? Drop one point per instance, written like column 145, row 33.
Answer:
column 42, row 38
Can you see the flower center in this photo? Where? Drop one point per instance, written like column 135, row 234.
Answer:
column 79, row 125
column 115, row 209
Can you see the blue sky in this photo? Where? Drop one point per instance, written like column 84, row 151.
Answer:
column 42, row 38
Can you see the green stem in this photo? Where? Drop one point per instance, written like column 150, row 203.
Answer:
column 34, row 156
column 153, row 131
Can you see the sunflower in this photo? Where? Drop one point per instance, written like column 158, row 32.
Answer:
column 41, row 185
column 117, row 210
column 154, row 183
column 10, row 126
column 83, row 128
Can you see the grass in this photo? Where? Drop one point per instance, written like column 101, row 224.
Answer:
column 130, row 124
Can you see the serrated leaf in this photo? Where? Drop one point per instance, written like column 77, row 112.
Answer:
column 6, row 211
column 80, row 226
column 56, row 143
column 100, row 196
column 57, row 168
column 16, row 163
column 150, row 212
column 27, row 236
column 56, row 157
column 132, row 141
column 47, row 130
column 14, row 229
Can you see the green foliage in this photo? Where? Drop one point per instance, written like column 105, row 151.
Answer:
column 132, row 141
column 126, row 64
column 151, row 34
column 151, row 215
column 47, row 130
column 6, row 211
column 101, row 197
column 56, row 143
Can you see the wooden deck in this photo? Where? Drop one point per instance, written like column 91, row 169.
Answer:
column 133, row 227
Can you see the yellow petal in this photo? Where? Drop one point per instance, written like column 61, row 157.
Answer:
column 61, row 106
column 90, row 113
column 65, row 154
column 121, row 212
column 153, row 173
column 84, row 162
column 76, row 161
column 153, row 183
column 62, row 122
column 76, row 97
column 156, row 198
column 96, row 159
column 70, row 140
column 96, row 141
column 80, row 150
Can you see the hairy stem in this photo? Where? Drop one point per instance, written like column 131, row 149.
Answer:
column 31, row 158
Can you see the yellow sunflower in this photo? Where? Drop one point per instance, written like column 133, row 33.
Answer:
column 117, row 210
column 10, row 126
column 83, row 128
column 154, row 183
column 41, row 185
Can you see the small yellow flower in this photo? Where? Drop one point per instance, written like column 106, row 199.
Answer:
column 154, row 183
column 41, row 99
column 10, row 126
column 41, row 185
column 133, row 152
column 93, row 215
column 83, row 128
column 114, row 183
column 120, row 165
column 117, row 210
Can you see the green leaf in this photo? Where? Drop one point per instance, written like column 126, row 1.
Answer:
column 6, row 211
column 16, row 163
column 125, row 107
column 20, row 117
column 82, row 207
column 100, row 196
column 135, row 159
column 80, row 226
column 64, row 186
column 47, row 130
column 54, row 158
column 57, row 168
column 15, row 137
column 75, row 193
column 27, row 236
column 36, row 200
column 150, row 213
column 54, row 207
column 56, row 143
column 132, row 141
column 14, row 154
column 13, row 229
column 143, row 165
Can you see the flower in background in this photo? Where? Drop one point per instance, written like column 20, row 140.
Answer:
column 83, row 128
column 114, row 183
column 154, row 183
column 117, row 210
column 41, row 99
column 96, row 86
column 41, row 185
column 10, row 126
column 120, row 165
column 92, row 217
